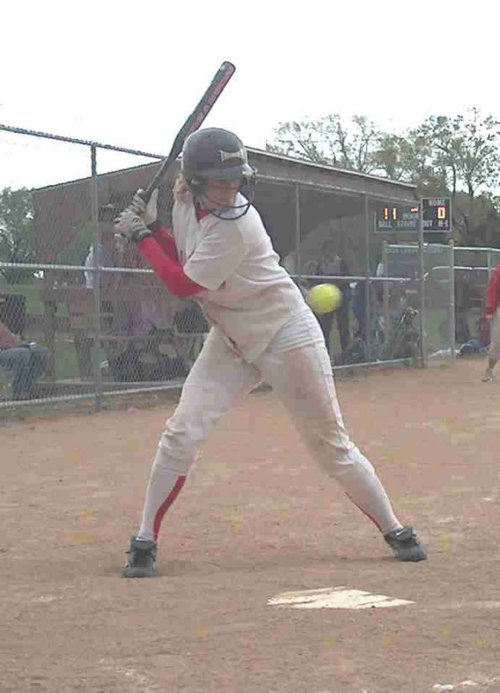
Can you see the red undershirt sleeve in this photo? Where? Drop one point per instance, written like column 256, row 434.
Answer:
column 168, row 269
column 165, row 239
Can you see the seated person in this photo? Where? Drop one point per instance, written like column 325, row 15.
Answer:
column 26, row 360
column 142, row 320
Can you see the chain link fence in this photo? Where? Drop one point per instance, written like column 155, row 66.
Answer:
column 86, row 317
column 426, row 298
column 90, row 320
column 473, row 268
column 135, row 336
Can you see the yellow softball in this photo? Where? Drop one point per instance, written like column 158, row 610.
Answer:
column 324, row 298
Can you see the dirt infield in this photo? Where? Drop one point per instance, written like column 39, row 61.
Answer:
column 256, row 519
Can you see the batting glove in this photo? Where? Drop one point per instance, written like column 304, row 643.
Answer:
column 131, row 227
column 149, row 211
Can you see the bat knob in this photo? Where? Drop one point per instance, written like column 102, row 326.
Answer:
column 145, row 195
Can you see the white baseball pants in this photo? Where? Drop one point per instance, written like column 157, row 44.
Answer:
column 303, row 379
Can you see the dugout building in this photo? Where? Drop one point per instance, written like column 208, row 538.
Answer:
column 303, row 204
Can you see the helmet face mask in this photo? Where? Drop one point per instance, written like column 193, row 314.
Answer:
column 213, row 153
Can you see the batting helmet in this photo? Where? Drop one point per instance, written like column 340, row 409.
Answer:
column 217, row 153
column 214, row 153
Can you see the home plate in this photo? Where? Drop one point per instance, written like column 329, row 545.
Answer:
column 335, row 598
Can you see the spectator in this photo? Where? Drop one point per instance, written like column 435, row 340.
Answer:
column 493, row 317
column 106, row 256
column 463, row 305
column 379, row 286
column 25, row 360
column 330, row 264
column 141, row 320
column 379, row 301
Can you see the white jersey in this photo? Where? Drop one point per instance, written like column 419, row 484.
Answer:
column 248, row 295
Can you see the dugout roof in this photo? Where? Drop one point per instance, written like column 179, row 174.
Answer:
column 320, row 193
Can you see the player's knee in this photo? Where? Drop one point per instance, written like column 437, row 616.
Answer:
column 334, row 451
column 334, row 461
column 326, row 438
column 178, row 460
column 349, row 462
column 179, row 444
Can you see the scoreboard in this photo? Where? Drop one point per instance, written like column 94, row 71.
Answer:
column 436, row 216
column 398, row 218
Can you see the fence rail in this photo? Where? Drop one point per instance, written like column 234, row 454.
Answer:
column 104, row 325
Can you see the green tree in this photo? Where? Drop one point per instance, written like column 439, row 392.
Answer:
column 465, row 150
column 456, row 156
column 476, row 221
column 409, row 158
column 17, row 233
column 328, row 141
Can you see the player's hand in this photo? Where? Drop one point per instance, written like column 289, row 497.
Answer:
column 131, row 226
column 488, row 316
column 149, row 211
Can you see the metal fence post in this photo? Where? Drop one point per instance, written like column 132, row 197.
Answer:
column 386, row 298
column 421, row 288
column 452, row 299
column 368, row 316
column 298, row 268
column 96, row 275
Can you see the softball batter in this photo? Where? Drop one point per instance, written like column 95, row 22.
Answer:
column 221, row 255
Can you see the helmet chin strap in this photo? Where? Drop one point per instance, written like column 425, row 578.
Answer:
column 227, row 213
